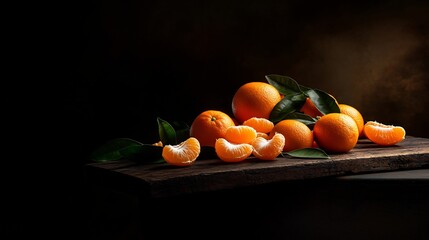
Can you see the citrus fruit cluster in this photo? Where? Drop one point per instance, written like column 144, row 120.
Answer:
column 269, row 118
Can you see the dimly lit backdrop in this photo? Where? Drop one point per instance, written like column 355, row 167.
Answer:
column 132, row 62
column 129, row 62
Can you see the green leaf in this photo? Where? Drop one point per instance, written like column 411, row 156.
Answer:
column 323, row 101
column 304, row 88
column 299, row 98
column 287, row 106
column 304, row 118
column 167, row 134
column 285, row 85
column 115, row 149
column 308, row 153
column 147, row 153
column 182, row 130
column 282, row 109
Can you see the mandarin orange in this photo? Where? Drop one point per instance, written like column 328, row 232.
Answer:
column 355, row 114
column 297, row 134
column 210, row 125
column 254, row 99
column 310, row 109
column 336, row 132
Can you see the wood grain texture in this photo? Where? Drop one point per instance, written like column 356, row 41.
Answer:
column 163, row 180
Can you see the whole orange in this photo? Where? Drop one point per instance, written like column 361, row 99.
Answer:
column 336, row 132
column 209, row 126
column 254, row 99
column 310, row 109
column 297, row 134
column 355, row 114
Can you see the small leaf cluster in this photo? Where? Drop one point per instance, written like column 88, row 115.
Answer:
column 173, row 133
column 126, row 148
column 294, row 98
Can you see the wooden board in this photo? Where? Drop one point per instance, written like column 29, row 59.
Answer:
column 163, row 180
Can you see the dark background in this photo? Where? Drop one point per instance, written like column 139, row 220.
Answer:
column 133, row 61
column 115, row 66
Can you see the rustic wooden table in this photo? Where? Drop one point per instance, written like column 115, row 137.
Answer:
column 371, row 192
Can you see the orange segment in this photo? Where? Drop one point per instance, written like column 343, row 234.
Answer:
column 268, row 149
column 259, row 124
column 382, row 134
column 240, row 134
column 182, row 154
column 263, row 135
column 230, row 152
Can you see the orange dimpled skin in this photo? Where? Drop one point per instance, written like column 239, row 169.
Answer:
column 384, row 135
column 230, row 152
column 182, row 154
column 310, row 109
column 336, row 132
column 355, row 114
column 297, row 134
column 210, row 125
column 268, row 149
column 254, row 99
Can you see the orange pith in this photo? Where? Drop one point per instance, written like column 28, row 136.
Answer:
column 262, row 125
column 210, row 125
column 230, row 152
column 254, row 99
column 382, row 134
column 240, row 134
column 355, row 114
column 182, row 154
column 268, row 149
column 297, row 134
column 336, row 132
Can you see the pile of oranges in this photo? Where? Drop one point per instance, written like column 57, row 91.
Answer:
column 250, row 132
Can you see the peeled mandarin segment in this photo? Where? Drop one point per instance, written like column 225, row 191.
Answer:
column 182, row 154
column 263, row 135
column 384, row 135
column 259, row 124
column 230, row 152
column 268, row 149
column 240, row 134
